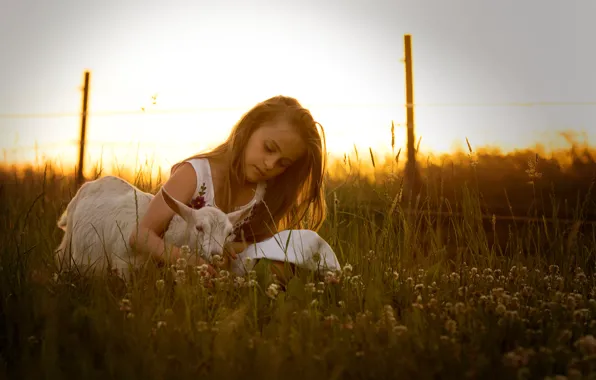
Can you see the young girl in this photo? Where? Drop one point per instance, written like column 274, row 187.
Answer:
column 275, row 148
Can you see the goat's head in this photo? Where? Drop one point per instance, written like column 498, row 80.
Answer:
column 210, row 228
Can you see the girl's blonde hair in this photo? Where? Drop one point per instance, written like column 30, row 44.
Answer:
column 294, row 199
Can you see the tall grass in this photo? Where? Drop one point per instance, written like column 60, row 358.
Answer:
column 430, row 288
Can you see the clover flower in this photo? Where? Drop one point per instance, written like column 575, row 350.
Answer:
column 272, row 291
column 125, row 305
column 586, row 344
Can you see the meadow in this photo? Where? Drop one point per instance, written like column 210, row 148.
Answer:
column 486, row 271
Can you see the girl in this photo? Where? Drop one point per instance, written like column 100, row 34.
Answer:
column 275, row 148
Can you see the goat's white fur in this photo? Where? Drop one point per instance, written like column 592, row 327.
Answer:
column 104, row 213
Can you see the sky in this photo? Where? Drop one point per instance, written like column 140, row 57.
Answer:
column 475, row 62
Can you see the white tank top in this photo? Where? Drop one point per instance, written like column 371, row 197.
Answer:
column 204, row 193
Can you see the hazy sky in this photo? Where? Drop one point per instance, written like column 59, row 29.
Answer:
column 202, row 54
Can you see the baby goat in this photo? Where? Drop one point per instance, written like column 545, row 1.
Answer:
column 104, row 213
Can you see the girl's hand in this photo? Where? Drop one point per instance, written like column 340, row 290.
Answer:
column 212, row 271
column 194, row 260
column 232, row 249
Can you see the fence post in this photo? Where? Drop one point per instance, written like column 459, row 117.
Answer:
column 412, row 175
column 80, row 175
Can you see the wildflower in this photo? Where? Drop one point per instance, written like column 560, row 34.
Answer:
column 125, row 305
column 160, row 284
column 400, row 329
column 252, row 283
column 586, row 344
column 341, row 304
column 418, row 304
column 203, row 268
column 581, row 278
column 169, row 312
column 314, row 303
column 330, row 319
column 432, row 303
column 272, row 291
column 202, row 326
column 180, row 276
column 347, row 270
column 460, row 308
column 184, row 251
column 419, row 287
column 451, row 326
column 501, row 309
column 161, row 324
column 355, row 280
column 216, row 260
column 181, row 264
column 239, row 282
column 310, row 287
column 462, row 290
column 130, row 316
column 330, row 278
column 498, row 292
column 517, row 358
column 348, row 324
column 581, row 315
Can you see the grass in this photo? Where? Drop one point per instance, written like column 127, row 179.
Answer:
column 431, row 287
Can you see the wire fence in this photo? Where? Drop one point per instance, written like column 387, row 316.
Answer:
column 73, row 143
column 142, row 110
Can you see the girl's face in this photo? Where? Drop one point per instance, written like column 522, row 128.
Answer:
column 270, row 150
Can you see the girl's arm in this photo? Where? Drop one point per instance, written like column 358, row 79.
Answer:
column 147, row 240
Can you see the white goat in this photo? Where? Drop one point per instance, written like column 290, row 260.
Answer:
column 104, row 213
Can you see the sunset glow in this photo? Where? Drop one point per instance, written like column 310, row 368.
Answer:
column 206, row 66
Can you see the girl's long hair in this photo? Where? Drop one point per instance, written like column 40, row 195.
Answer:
column 296, row 198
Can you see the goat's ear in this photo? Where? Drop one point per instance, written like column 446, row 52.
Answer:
column 236, row 216
column 178, row 207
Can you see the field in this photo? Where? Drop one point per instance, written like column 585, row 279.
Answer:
column 486, row 271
